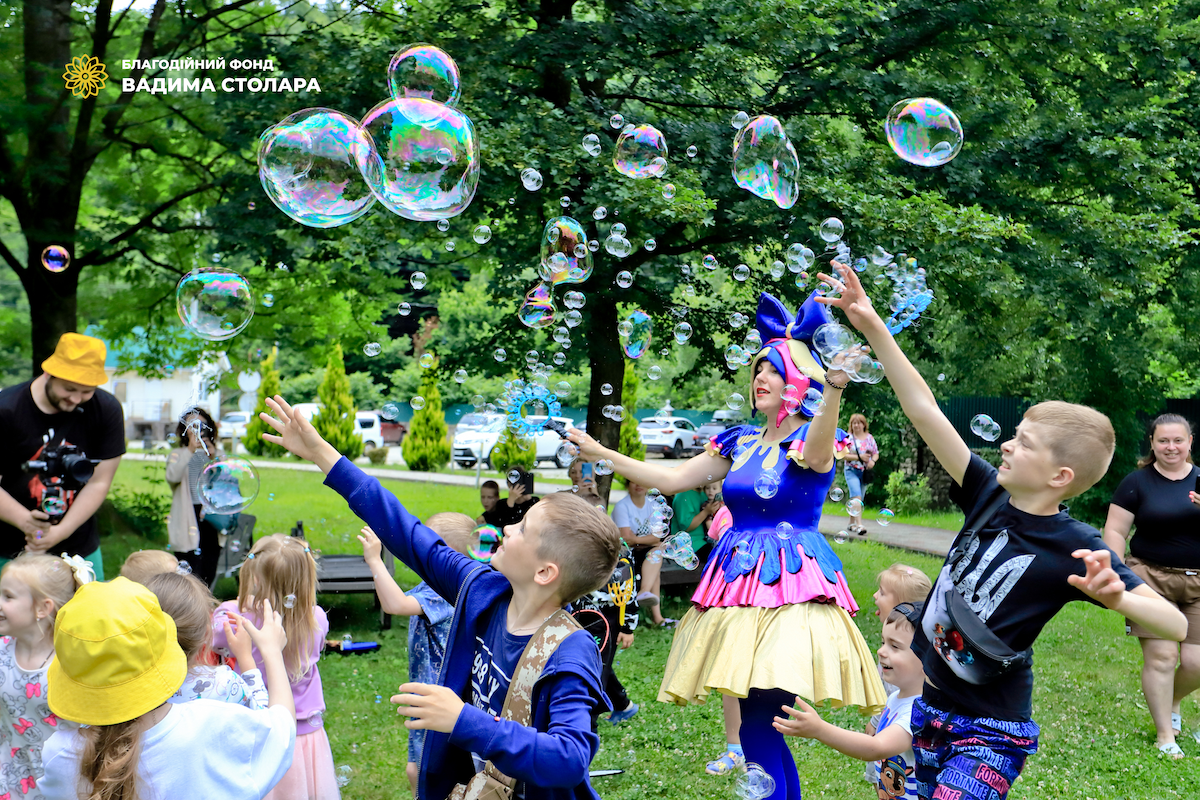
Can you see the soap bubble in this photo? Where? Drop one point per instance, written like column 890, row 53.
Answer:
column 618, row 245
column 484, row 541
column 840, row 537
column 618, row 413
column 765, row 163
column 766, row 484
column 668, row 191
column 56, row 258
column 560, row 259
column 499, row 354
column 710, row 262
column 343, row 775
column 854, row 506
column 743, row 556
column 319, row 167
column 389, row 411
column 372, row 349
column 606, row 389
column 741, row 272
column 268, row 300
column 227, row 485
column 426, row 360
column 289, row 601
column 641, row 152
column 604, row 467
column 683, row 332
column 985, row 427
column 924, row 132
column 836, row 494
column 637, row 340
column 791, row 398
column 754, row 783
column 564, row 201
column 531, row 179
column 573, row 318
column 482, row 234
column 832, row 229
column 426, row 72
column 460, row 376
column 616, row 121
column 574, row 300
column 418, row 280
column 537, row 310
column 405, row 309
column 784, row 530
column 692, row 151
column 813, row 403
column 416, row 184
column 650, row 245
column 624, row 279
column 417, row 402
column 886, row 515
column 591, row 145
column 599, row 213
column 832, row 338
column 735, row 401
column 739, row 120
column 214, row 304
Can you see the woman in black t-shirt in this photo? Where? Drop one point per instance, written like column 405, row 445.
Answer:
column 1160, row 500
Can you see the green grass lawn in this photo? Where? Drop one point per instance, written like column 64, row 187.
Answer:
column 1097, row 739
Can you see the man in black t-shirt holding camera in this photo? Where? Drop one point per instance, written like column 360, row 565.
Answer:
column 61, row 439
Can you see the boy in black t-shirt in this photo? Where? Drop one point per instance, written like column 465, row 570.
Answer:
column 1005, row 578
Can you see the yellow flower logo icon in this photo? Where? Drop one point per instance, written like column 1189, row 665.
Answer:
column 85, row 76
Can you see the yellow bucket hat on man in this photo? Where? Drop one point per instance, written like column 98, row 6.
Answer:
column 116, row 655
column 78, row 359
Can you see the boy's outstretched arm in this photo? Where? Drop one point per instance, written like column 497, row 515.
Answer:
column 914, row 394
column 392, row 598
column 807, row 723
column 1141, row 604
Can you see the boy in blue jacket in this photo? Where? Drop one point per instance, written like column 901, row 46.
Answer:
column 1021, row 560
column 561, row 550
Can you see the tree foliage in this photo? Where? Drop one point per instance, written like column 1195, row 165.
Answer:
column 335, row 420
column 269, row 387
column 426, row 447
column 513, row 452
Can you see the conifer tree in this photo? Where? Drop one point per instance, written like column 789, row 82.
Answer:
column 269, row 387
column 335, row 420
column 426, row 448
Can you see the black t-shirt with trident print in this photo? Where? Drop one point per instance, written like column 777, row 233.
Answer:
column 1014, row 576
column 97, row 427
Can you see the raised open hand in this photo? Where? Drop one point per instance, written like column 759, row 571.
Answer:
column 853, row 300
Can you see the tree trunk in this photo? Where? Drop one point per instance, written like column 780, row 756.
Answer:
column 608, row 366
column 52, row 301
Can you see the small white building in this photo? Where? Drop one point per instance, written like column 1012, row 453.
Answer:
column 152, row 405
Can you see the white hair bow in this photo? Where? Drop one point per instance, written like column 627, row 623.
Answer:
column 82, row 569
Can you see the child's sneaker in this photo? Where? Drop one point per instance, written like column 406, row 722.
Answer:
column 622, row 716
column 726, row 764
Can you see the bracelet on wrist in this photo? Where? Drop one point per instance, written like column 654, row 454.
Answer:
column 833, row 385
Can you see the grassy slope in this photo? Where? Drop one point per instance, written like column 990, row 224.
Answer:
column 1097, row 739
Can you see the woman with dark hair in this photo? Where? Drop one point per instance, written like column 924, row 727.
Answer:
column 1159, row 499
column 193, row 539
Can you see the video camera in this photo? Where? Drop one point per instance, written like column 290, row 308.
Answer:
column 64, row 470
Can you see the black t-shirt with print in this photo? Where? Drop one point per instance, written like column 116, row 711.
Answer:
column 1167, row 522
column 97, row 427
column 1014, row 576
column 503, row 515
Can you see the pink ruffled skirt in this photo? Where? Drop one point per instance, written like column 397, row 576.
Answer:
column 808, row 585
column 311, row 776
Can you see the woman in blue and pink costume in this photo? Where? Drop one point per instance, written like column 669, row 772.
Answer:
column 771, row 618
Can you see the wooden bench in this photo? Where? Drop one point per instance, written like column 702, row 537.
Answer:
column 349, row 574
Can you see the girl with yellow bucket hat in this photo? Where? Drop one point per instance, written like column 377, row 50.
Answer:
column 117, row 663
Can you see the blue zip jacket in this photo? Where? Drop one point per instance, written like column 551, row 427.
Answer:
column 553, row 756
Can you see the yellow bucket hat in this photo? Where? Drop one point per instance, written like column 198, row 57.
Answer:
column 116, row 655
column 78, row 359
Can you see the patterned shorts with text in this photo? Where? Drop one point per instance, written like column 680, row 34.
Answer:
column 960, row 757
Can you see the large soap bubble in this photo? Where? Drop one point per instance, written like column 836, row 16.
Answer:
column 430, row 157
column 565, row 237
column 318, row 167
column 537, row 310
column 641, row 152
column 924, row 132
column 228, row 485
column 426, row 72
column 636, row 333
column 214, row 304
column 765, row 163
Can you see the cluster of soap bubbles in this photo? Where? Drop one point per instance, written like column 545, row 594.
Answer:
column 415, row 152
column 838, row 348
column 616, row 244
column 985, row 427
column 910, row 295
column 678, row 548
column 754, row 783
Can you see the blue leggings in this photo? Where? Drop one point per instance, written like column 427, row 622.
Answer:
column 766, row 746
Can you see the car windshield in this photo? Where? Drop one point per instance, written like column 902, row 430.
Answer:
column 653, row 422
column 495, row 425
column 474, row 419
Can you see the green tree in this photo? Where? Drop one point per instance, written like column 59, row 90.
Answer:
column 335, row 420
column 426, row 448
column 269, row 387
column 514, row 451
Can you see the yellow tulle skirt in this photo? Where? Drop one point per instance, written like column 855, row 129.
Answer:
column 809, row 649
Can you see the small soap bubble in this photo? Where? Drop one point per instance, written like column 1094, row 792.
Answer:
column 268, row 300
column 832, row 229
column 343, row 775
column 347, row 639
column 499, row 354
column 924, row 132
column 372, row 349
column 599, row 213
column 564, row 201
column 591, row 145
column 418, row 280
column 766, row 484
column 426, row 361
column 683, row 332
column 443, row 225
column 531, row 179
column 616, row 121
column 854, row 506
column 482, row 234
column 654, row 373
column 692, row 151
column 604, row 467
column 606, row 389
column 668, row 191
column 650, row 245
column 443, row 155
column 710, row 262
column 735, row 401
column 741, row 272
column 784, row 530
column 417, row 402
column 840, row 537
column 389, row 411
column 836, row 494
column 460, row 376
column 405, row 309
column 813, row 403
column 289, row 601
column 450, row 245
column 739, row 120
column 886, row 515
column 624, row 279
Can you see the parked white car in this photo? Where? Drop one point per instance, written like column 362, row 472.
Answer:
column 367, row 424
column 671, row 436
column 233, row 424
column 471, row 445
column 475, row 421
